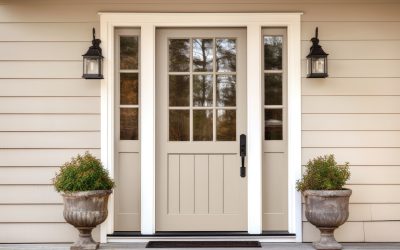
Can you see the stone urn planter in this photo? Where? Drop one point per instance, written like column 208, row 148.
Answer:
column 327, row 210
column 85, row 210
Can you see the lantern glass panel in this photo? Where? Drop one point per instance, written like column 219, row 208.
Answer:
column 91, row 66
column 318, row 65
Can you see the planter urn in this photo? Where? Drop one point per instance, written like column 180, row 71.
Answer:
column 327, row 210
column 85, row 210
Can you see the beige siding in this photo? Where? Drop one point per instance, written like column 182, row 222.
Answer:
column 45, row 107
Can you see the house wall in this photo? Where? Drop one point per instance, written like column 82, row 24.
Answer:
column 48, row 113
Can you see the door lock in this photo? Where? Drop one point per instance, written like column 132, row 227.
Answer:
column 242, row 155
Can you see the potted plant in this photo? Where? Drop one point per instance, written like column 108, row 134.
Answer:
column 85, row 186
column 326, row 201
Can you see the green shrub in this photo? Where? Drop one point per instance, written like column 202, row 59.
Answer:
column 82, row 173
column 323, row 173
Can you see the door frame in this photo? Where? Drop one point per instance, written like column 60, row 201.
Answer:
column 253, row 22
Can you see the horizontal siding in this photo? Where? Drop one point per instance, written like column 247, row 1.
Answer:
column 40, row 69
column 49, row 87
column 87, row 140
column 27, row 175
column 39, row 157
column 39, row 213
column 49, row 122
column 29, row 194
column 53, row 105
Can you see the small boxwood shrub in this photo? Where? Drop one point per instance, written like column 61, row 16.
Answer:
column 82, row 173
column 323, row 173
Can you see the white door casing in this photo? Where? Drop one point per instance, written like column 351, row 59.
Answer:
column 253, row 22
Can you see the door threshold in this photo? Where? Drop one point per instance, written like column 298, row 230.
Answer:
column 266, row 236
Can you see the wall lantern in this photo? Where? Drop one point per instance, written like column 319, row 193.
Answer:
column 93, row 61
column 317, row 60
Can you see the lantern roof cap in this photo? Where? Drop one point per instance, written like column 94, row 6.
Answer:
column 94, row 50
column 316, row 49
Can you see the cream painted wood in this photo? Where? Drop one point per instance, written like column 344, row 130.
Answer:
column 350, row 104
column 177, row 184
column 382, row 231
column 354, row 86
column 88, row 140
column 32, row 213
column 49, row 87
column 359, row 122
column 375, row 175
column 40, row 69
column 39, row 232
column 384, row 194
column 53, row 105
column 385, row 212
column 127, row 156
column 50, row 122
column 27, row 175
column 29, row 194
column 39, row 157
column 275, row 166
column 350, row 139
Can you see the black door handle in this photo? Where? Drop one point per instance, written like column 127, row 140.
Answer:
column 242, row 154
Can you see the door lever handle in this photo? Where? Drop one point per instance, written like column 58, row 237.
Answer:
column 242, row 155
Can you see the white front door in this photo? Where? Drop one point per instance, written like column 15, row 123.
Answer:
column 200, row 115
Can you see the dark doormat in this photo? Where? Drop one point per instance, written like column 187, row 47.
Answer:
column 198, row 244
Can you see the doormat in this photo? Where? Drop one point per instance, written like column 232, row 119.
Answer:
column 205, row 244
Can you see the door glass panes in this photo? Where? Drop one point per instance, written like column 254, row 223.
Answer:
column 273, row 87
column 179, row 55
column 202, row 89
column 129, row 87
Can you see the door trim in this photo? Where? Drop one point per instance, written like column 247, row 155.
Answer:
column 253, row 22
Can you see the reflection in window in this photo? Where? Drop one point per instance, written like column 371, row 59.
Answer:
column 202, row 90
column 179, row 86
column 129, row 56
column 273, row 52
column 273, row 124
column 202, row 55
column 226, row 55
column 129, row 88
column 226, row 90
column 179, row 55
column 273, row 89
column 179, row 129
column 128, row 124
column 226, row 125
column 202, row 125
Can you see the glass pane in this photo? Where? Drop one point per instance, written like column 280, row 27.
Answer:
column 273, row 89
column 318, row 65
column 273, row 124
column 128, row 124
column 179, row 125
column 179, row 86
column 202, row 90
column 226, row 55
column 129, row 52
column 202, row 55
column 226, row 90
column 202, row 125
column 226, row 125
column 129, row 88
column 273, row 52
column 179, row 56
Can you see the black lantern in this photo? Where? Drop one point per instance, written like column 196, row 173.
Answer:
column 317, row 60
column 93, row 61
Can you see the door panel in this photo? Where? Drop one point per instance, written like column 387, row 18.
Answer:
column 201, row 103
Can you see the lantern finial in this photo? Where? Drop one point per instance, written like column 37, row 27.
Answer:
column 94, row 33
column 316, row 32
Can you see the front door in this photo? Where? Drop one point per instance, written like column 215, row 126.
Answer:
column 201, row 113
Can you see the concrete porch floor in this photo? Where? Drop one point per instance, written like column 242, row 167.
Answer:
column 271, row 246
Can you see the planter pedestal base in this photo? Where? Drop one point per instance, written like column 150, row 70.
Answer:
column 85, row 240
column 327, row 240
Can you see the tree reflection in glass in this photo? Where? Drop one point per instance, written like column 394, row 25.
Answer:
column 128, row 124
column 202, row 55
column 129, row 52
column 129, row 88
column 202, row 90
column 202, row 125
column 273, row 124
column 273, row 89
column 179, row 55
column 273, row 52
column 179, row 87
column 226, row 55
column 226, row 125
column 226, row 90
column 179, row 129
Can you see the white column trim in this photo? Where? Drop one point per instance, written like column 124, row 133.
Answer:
column 148, row 22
